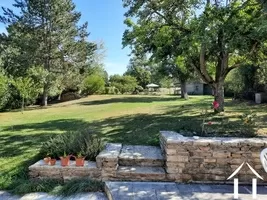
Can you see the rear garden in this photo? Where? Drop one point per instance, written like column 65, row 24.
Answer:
column 123, row 119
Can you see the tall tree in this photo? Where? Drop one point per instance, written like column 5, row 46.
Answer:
column 53, row 40
column 216, row 36
column 139, row 68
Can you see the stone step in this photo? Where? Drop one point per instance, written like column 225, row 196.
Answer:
column 170, row 190
column 137, row 155
column 138, row 173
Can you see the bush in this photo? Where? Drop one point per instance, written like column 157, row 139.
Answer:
column 76, row 186
column 125, row 84
column 83, row 141
column 4, row 92
column 93, row 84
column 241, row 81
column 23, row 186
column 111, row 90
column 56, row 187
column 139, row 88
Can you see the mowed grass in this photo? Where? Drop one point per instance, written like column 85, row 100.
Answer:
column 124, row 119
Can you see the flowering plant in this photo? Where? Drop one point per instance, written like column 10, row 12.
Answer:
column 215, row 104
column 248, row 118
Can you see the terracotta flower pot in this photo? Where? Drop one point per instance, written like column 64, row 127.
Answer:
column 47, row 160
column 65, row 161
column 52, row 162
column 79, row 162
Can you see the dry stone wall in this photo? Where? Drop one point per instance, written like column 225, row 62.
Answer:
column 194, row 159
column 186, row 159
column 42, row 170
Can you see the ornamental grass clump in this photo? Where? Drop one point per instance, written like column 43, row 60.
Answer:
column 82, row 142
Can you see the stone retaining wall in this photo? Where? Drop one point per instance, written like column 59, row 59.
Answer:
column 187, row 159
column 42, row 170
column 103, row 169
column 193, row 159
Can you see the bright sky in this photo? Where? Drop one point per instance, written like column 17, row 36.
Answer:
column 105, row 23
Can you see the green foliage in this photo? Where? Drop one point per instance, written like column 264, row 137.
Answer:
column 27, row 88
column 139, row 88
column 56, row 187
column 22, row 186
column 262, row 73
column 210, row 38
column 138, row 68
column 4, row 93
column 83, row 141
column 111, row 90
column 248, row 118
column 81, row 185
column 93, row 84
column 166, row 82
column 125, row 84
column 64, row 55
column 244, row 80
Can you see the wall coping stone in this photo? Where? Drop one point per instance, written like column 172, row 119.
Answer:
column 172, row 137
column 112, row 150
column 41, row 165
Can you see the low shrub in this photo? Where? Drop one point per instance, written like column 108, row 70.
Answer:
column 93, row 84
column 76, row 186
column 56, row 187
column 111, row 90
column 28, row 186
column 78, row 142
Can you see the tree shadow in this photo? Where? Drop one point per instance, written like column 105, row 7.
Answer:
column 133, row 99
column 141, row 129
column 60, row 125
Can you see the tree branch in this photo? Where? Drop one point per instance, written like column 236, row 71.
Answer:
column 203, row 69
column 169, row 22
column 202, row 76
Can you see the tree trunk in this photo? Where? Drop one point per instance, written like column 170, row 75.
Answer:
column 45, row 96
column 59, row 96
column 22, row 105
column 219, row 95
column 184, row 94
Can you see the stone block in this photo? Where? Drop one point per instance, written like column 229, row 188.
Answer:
column 221, row 154
column 177, row 158
column 210, row 160
column 204, row 148
column 196, row 160
column 207, row 141
column 209, row 166
column 202, row 154
column 175, row 164
column 174, row 177
column 220, row 178
column 174, row 170
column 109, row 154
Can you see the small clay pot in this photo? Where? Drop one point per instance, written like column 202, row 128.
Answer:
column 47, row 160
column 79, row 162
column 52, row 162
column 65, row 161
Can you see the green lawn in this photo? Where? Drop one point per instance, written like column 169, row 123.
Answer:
column 125, row 119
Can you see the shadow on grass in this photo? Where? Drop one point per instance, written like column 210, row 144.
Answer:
column 60, row 125
column 134, row 99
column 128, row 129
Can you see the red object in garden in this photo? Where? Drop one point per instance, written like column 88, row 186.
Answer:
column 209, row 123
column 215, row 104
column 79, row 162
column 65, row 161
